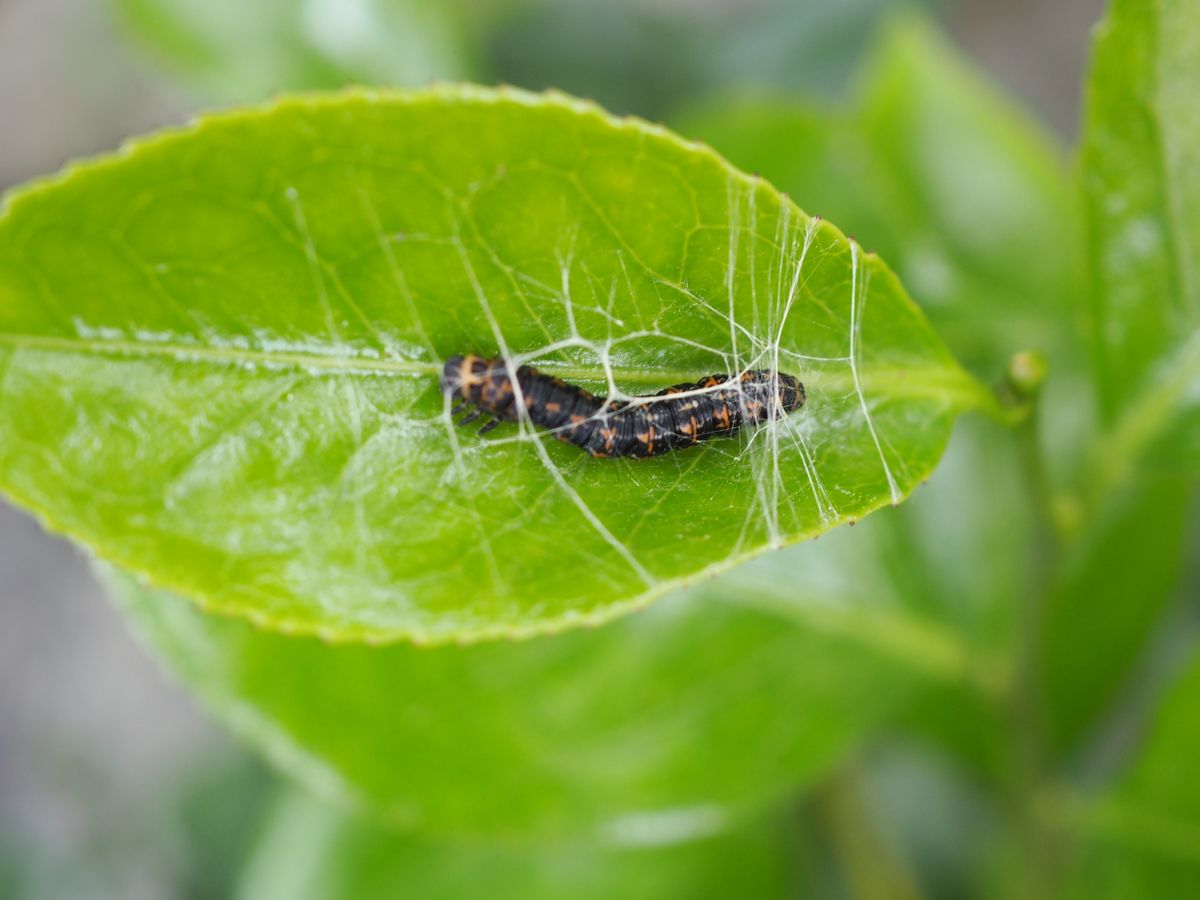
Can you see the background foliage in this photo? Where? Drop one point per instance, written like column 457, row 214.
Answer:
column 986, row 691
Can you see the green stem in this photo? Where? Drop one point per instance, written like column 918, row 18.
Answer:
column 867, row 860
column 1036, row 835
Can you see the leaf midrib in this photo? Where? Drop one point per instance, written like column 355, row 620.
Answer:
column 929, row 382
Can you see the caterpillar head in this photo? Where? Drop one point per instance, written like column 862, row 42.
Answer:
column 777, row 393
column 486, row 383
column 452, row 380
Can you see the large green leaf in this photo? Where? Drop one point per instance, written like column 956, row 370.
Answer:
column 220, row 351
column 312, row 852
column 685, row 716
column 1142, row 180
column 1140, row 171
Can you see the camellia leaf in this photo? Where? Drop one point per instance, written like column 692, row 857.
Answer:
column 681, row 719
column 220, row 352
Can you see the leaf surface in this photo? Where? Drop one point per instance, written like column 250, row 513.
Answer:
column 219, row 354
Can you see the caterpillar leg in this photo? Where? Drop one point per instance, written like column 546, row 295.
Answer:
column 489, row 426
column 469, row 418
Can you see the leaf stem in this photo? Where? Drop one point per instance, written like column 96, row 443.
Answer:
column 1015, row 399
column 1037, row 837
column 867, row 859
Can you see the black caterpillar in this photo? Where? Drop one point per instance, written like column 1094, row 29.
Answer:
column 616, row 428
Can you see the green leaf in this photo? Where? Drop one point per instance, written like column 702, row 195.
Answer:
column 1139, row 169
column 311, row 852
column 985, row 214
column 1144, row 836
column 648, row 58
column 687, row 716
column 1142, row 180
column 235, row 52
column 219, row 354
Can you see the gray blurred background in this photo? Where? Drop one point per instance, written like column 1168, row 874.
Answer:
column 107, row 772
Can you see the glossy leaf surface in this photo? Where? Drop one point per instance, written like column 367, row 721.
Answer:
column 220, row 355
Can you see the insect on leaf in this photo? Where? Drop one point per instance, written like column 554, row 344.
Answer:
column 220, row 352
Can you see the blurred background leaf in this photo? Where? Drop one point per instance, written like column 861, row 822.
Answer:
column 1139, row 170
column 903, row 170
column 242, row 52
column 311, row 851
column 1142, row 838
column 907, row 167
column 649, row 58
column 1141, row 163
column 636, row 56
column 695, row 713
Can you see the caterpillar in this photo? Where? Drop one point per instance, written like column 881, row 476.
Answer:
column 674, row 418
